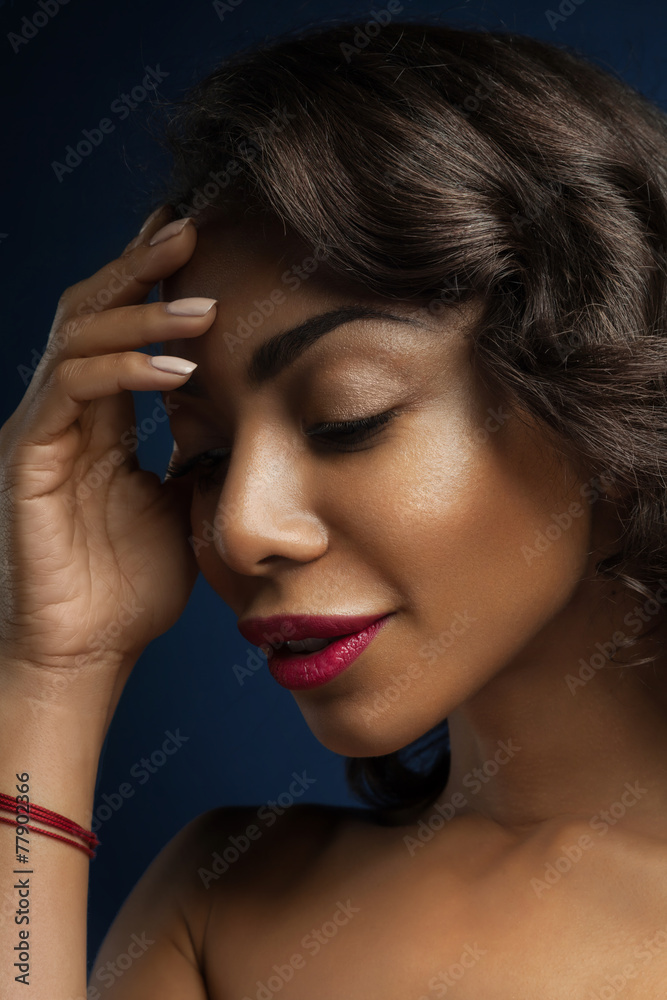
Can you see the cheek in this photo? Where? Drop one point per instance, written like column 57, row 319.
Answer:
column 467, row 514
column 446, row 502
column 481, row 537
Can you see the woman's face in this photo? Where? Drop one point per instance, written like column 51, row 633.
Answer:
column 429, row 520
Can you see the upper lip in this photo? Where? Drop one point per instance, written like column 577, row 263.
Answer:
column 279, row 628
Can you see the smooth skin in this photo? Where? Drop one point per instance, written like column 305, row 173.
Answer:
column 426, row 519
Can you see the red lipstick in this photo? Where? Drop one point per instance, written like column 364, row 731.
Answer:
column 308, row 669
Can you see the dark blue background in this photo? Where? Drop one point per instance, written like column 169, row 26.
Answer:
column 243, row 740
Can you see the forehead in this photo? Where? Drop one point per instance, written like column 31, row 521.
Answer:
column 238, row 257
column 267, row 281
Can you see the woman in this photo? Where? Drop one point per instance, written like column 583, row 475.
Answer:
column 421, row 275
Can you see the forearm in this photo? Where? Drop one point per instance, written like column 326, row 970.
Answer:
column 44, row 891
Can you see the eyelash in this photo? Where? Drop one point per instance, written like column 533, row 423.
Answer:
column 354, row 431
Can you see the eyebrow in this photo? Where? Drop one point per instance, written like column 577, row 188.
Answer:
column 282, row 350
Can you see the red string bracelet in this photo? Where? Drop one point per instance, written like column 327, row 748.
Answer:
column 49, row 818
column 48, row 833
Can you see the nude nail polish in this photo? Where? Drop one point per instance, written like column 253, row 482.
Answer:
column 169, row 363
column 171, row 229
column 194, row 306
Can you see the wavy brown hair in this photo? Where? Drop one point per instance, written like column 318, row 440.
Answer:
column 439, row 165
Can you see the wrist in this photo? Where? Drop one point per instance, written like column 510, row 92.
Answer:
column 62, row 700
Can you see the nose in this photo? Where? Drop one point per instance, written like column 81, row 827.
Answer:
column 264, row 513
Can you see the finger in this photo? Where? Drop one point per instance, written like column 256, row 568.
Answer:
column 130, row 327
column 156, row 220
column 75, row 382
column 129, row 278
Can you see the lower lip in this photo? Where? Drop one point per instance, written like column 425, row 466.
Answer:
column 298, row 672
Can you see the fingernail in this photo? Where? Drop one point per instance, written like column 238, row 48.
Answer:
column 171, row 229
column 190, row 307
column 177, row 366
column 151, row 218
column 139, row 238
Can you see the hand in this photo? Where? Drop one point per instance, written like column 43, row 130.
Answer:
column 94, row 572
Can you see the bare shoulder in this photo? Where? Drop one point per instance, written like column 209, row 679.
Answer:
column 219, row 861
column 220, row 853
column 234, row 849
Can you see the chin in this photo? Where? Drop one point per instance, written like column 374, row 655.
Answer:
column 358, row 731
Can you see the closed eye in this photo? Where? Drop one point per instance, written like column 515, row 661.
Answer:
column 340, row 435
column 351, row 431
